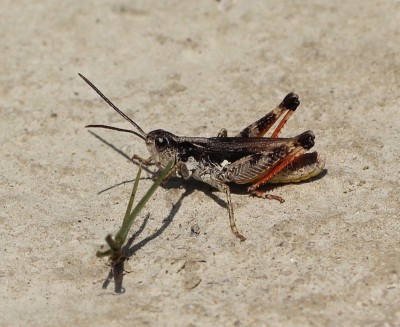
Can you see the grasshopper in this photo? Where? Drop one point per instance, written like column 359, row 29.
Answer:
column 247, row 158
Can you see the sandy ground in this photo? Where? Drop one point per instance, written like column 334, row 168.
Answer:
column 328, row 256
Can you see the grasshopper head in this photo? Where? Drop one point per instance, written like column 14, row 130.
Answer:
column 162, row 146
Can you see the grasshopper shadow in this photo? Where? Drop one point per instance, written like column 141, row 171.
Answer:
column 119, row 151
column 132, row 249
column 126, row 156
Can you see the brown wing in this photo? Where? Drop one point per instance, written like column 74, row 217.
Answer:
column 255, row 166
column 260, row 167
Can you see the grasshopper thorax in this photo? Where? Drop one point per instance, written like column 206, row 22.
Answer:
column 162, row 146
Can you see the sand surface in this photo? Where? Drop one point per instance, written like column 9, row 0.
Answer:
column 328, row 256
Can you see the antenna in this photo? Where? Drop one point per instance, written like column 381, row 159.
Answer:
column 141, row 133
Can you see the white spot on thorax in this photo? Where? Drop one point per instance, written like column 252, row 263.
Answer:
column 225, row 163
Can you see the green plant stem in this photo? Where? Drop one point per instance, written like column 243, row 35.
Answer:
column 128, row 221
column 133, row 193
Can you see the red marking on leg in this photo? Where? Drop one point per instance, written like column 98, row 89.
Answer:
column 276, row 169
column 282, row 123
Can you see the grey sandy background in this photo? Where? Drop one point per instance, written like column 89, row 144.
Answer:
column 328, row 256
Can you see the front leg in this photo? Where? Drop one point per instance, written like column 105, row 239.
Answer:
column 179, row 169
column 143, row 161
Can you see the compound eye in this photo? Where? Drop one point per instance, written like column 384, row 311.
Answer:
column 161, row 143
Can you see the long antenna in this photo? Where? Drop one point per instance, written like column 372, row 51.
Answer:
column 117, row 129
column 112, row 105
